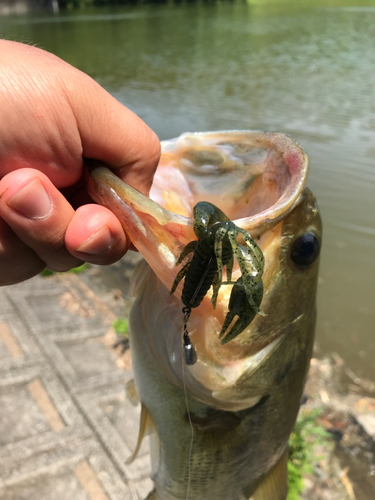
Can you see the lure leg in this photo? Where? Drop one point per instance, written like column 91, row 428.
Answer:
column 230, row 269
column 219, row 236
column 216, row 284
column 238, row 306
column 256, row 263
column 215, row 287
column 218, row 247
column 249, row 279
column 254, row 248
column 190, row 247
column 181, row 274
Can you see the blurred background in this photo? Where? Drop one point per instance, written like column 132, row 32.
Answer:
column 305, row 68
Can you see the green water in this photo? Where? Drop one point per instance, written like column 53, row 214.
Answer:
column 304, row 68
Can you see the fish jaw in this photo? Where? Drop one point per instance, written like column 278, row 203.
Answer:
column 258, row 177
column 264, row 175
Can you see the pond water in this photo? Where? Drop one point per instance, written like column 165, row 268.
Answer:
column 304, row 68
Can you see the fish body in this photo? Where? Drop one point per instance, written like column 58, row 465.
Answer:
column 219, row 429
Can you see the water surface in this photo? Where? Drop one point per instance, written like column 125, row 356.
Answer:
column 303, row 68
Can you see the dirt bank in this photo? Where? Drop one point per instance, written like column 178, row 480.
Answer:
column 346, row 470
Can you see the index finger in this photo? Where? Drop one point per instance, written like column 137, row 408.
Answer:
column 112, row 133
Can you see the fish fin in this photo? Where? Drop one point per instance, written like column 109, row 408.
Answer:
column 131, row 392
column 143, row 425
column 275, row 485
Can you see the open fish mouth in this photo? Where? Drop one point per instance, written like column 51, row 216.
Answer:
column 257, row 179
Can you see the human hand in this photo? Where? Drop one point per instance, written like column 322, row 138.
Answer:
column 51, row 117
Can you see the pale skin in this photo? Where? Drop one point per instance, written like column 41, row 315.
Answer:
column 52, row 116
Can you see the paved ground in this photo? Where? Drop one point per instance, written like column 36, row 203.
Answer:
column 66, row 424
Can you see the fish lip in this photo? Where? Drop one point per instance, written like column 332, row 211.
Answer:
column 293, row 156
column 98, row 175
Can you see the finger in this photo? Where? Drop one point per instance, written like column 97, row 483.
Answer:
column 114, row 134
column 96, row 235
column 18, row 262
column 39, row 215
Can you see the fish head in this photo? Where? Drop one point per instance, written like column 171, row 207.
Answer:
column 257, row 179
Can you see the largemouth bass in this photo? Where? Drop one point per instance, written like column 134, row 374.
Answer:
column 219, row 428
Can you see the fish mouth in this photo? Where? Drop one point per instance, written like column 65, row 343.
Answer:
column 256, row 178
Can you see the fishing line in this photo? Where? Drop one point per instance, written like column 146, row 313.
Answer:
column 192, row 432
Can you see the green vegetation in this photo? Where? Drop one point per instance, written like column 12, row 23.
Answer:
column 74, row 270
column 78, row 4
column 121, row 326
column 79, row 269
column 306, row 436
column 47, row 272
column 75, row 4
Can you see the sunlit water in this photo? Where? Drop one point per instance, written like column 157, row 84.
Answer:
column 300, row 68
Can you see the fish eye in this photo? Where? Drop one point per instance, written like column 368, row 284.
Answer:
column 305, row 250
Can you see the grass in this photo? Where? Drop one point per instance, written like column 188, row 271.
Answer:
column 306, row 436
column 121, row 326
column 74, row 270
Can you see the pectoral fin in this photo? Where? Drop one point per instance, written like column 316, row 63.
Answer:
column 275, row 485
column 143, row 427
column 131, row 392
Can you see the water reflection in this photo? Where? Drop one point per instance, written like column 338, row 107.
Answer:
column 303, row 69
